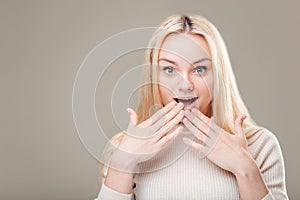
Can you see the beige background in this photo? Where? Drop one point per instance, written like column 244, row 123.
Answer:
column 43, row 44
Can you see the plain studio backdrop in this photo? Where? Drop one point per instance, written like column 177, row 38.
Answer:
column 43, row 44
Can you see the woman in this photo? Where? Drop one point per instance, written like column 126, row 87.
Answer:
column 202, row 143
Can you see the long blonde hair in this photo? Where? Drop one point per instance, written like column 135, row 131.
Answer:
column 227, row 103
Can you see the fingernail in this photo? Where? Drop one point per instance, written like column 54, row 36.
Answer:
column 180, row 128
column 243, row 118
column 180, row 104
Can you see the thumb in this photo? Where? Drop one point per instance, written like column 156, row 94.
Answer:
column 133, row 117
column 238, row 125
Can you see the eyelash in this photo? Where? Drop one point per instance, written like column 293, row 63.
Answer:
column 167, row 68
column 171, row 68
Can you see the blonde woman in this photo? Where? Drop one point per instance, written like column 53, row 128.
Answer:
column 202, row 142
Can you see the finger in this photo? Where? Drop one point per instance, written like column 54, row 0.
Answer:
column 133, row 117
column 199, row 134
column 167, row 117
column 238, row 125
column 169, row 126
column 201, row 116
column 201, row 125
column 170, row 137
column 207, row 121
column 159, row 114
column 193, row 144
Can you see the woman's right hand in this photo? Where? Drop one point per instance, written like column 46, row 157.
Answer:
column 142, row 142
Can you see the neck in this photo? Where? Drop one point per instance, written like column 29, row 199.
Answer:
column 208, row 111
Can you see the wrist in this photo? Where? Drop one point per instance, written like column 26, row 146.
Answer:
column 123, row 161
column 119, row 181
column 246, row 166
column 250, row 182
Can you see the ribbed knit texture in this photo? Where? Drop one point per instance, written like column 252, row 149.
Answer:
column 178, row 173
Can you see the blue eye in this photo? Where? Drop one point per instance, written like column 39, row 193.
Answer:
column 168, row 70
column 200, row 69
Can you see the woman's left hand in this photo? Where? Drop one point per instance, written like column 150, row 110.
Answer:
column 228, row 151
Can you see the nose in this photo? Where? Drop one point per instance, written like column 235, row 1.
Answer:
column 185, row 82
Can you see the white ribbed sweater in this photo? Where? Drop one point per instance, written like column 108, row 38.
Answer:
column 183, row 175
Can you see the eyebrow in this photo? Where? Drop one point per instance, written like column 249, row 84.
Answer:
column 174, row 63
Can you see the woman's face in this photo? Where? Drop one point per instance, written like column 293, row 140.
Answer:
column 185, row 72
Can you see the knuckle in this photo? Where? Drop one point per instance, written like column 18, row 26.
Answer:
column 168, row 127
column 178, row 116
column 172, row 113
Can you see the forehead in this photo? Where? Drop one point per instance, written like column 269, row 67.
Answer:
column 186, row 46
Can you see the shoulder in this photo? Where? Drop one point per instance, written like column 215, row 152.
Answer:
column 264, row 146
column 262, row 135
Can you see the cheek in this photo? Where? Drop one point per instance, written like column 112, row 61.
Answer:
column 204, row 88
column 166, row 88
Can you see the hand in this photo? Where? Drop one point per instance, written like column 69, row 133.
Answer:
column 142, row 142
column 228, row 151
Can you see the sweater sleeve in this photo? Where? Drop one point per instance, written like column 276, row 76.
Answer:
column 107, row 193
column 268, row 155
